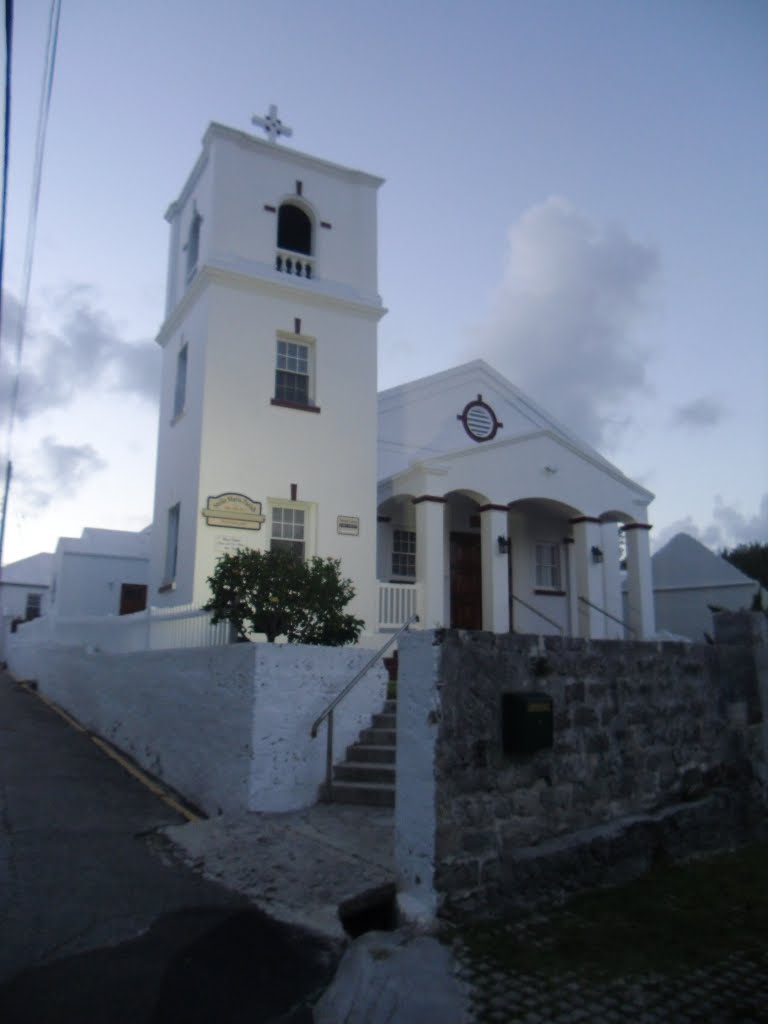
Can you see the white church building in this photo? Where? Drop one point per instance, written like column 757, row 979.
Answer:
column 455, row 497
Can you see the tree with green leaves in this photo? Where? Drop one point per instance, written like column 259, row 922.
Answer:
column 279, row 594
column 752, row 559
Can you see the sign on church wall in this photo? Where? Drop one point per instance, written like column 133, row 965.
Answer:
column 229, row 544
column 233, row 510
column 348, row 525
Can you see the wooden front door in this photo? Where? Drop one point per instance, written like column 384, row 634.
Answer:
column 466, row 582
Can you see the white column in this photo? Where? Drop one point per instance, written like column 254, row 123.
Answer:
column 571, row 589
column 641, row 610
column 589, row 576
column 495, row 568
column 612, row 580
column 430, row 559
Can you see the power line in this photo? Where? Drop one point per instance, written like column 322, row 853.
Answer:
column 42, row 125
column 3, row 208
column 6, row 138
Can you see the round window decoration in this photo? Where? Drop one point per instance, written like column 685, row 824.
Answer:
column 479, row 420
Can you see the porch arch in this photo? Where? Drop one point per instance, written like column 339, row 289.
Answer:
column 542, row 570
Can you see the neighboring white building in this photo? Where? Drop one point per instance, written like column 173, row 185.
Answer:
column 24, row 590
column 103, row 572
column 689, row 581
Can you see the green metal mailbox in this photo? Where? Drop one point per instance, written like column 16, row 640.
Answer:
column 526, row 722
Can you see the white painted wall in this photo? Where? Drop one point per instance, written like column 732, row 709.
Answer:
column 685, row 611
column 228, row 727
column 89, row 584
column 88, row 571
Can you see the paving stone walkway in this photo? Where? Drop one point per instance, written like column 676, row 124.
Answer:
column 733, row 990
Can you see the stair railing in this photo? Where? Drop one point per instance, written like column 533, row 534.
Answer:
column 608, row 615
column 536, row 611
column 328, row 713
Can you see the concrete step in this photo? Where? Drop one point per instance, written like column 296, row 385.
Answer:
column 364, row 771
column 384, row 721
column 378, row 737
column 375, row 794
column 369, row 752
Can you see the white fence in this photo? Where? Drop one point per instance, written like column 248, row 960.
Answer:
column 159, row 629
column 397, row 603
column 155, row 629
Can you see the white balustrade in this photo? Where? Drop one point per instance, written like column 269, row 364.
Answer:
column 295, row 263
column 397, row 603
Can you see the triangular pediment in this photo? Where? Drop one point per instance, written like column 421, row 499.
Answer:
column 449, row 412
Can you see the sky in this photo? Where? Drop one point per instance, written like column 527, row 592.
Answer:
column 575, row 192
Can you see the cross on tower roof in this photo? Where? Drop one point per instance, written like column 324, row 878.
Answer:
column 272, row 124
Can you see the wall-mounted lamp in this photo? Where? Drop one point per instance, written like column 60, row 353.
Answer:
column 597, row 554
column 504, row 545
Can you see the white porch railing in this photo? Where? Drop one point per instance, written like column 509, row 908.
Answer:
column 398, row 602
column 151, row 630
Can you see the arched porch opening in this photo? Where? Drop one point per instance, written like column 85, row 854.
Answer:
column 542, row 584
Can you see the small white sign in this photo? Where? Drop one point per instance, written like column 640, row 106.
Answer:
column 228, row 544
column 349, row 525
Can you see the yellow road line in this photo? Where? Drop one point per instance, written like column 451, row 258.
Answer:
column 110, row 751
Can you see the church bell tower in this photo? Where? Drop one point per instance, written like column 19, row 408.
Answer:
column 267, row 433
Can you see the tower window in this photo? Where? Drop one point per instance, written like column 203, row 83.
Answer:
column 180, row 391
column 172, row 543
column 288, row 530
column 292, row 375
column 193, row 244
column 294, row 229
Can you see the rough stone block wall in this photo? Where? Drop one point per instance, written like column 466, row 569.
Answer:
column 658, row 750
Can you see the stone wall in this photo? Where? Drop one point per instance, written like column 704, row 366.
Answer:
column 658, row 750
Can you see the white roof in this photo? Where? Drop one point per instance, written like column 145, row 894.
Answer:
column 685, row 562
column 34, row 571
column 117, row 543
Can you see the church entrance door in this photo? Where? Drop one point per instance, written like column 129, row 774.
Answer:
column 466, row 582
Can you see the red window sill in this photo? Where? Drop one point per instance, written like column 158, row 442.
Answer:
column 294, row 405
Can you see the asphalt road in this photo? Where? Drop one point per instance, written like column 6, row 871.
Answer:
column 97, row 925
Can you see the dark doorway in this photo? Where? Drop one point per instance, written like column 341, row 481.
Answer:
column 133, row 598
column 466, row 582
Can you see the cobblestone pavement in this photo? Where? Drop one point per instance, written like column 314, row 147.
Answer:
column 730, row 991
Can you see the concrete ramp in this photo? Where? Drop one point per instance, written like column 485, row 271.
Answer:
column 299, row 867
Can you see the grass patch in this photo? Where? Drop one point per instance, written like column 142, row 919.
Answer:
column 674, row 918
column 392, row 690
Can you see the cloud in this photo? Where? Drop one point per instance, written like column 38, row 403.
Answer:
column 728, row 529
column 60, row 470
column 739, row 529
column 564, row 316
column 705, row 411
column 83, row 352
